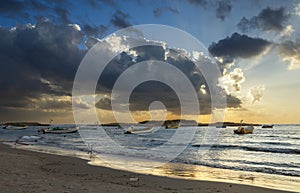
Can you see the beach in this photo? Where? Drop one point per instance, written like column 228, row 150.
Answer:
column 27, row 171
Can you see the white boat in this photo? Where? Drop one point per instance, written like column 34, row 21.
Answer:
column 58, row 130
column 244, row 130
column 138, row 130
column 11, row 127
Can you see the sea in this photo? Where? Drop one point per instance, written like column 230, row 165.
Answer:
column 270, row 157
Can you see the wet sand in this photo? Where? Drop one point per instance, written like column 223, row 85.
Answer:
column 27, row 171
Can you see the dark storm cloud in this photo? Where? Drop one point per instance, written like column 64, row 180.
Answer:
column 19, row 9
column 35, row 60
column 11, row 7
column 158, row 11
column 269, row 19
column 237, row 46
column 15, row 8
column 95, row 31
column 222, row 8
column 148, row 92
column 120, row 20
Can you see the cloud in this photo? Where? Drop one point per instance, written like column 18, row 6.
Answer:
column 158, row 11
column 95, row 31
column 75, row 26
column 10, row 7
column 287, row 31
column 297, row 9
column 257, row 92
column 146, row 93
column 63, row 14
column 24, row 10
column 231, row 81
column 289, row 51
column 269, row 19
column 120, row 20
column 16, row 9
column 238, row 46
column 38, row 60
column 223, row 9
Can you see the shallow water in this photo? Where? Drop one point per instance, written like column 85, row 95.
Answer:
column 268, row 157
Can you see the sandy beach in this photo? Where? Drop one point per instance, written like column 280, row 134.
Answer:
column 27, row 171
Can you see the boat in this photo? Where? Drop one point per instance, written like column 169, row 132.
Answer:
column 59, row 130
column 243, row 129
column 172, row 124
column 138, row 130
column 267, row 126
column 11, row 127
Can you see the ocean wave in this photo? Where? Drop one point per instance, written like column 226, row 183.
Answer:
column 272, row 164
column 250, row 148
column 275, row 143
column 243, row 167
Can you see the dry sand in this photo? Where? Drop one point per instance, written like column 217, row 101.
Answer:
column 26, row 171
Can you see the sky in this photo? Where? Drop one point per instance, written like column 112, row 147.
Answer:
column 256, row 45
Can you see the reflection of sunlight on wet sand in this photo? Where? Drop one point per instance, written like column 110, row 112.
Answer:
column 195, row 172
column 177, row 170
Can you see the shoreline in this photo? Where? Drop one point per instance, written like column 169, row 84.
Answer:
column 29, row 171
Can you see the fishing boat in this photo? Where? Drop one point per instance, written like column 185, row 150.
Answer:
column 11, row 127
column 58, row 130
column 138, row 130
column 172, row 126
column 267, row 126
column 243, row 129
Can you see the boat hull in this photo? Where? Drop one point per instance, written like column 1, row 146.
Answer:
column 61, row 131
column 14, row 128
column 244, row 130
column 138, row 130
column 267, row 126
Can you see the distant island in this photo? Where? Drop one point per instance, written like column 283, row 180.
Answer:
column 22, row 124
column 182, row 122
column 185, row 122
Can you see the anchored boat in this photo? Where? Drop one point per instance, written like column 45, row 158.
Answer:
column 243, row 129
column 267, row 126
column 59, row 130
column 11, row 127
column 138, row 130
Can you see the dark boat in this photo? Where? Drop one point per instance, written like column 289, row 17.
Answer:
column 267, row 126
